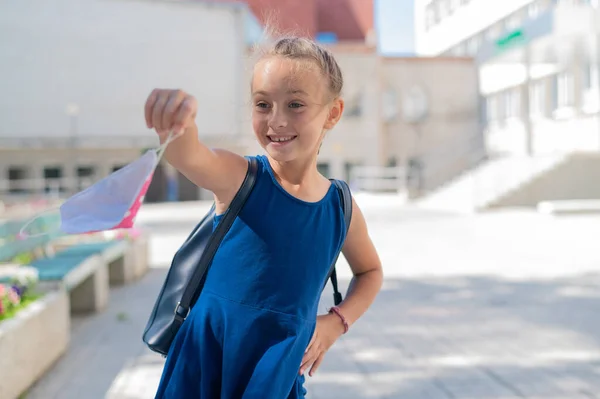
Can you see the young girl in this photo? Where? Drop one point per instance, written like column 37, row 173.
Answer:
column 254, row 330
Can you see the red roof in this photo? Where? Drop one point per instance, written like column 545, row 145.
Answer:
column 297, row 17
column 348, row 19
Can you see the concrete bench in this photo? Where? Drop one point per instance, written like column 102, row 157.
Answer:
column 83, row 276
column 87, row 269
column 127, row 259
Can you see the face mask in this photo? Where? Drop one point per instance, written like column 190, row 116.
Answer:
column 111, row 203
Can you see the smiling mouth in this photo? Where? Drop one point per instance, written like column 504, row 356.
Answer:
column 281, row 139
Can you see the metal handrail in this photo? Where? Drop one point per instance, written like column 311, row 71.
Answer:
column 52, row 186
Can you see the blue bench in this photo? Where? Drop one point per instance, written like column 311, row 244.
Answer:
column 87, row 248
column 57, row 268
column 83, row 275
column 119, row 255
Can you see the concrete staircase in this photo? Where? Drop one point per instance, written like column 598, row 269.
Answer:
column 481, row 187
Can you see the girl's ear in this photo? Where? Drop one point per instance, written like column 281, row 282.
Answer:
column 335, row 113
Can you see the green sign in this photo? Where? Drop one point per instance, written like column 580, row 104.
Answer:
column 513, row 38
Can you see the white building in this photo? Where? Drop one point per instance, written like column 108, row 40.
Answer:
column 538, row 65
column 74, row 77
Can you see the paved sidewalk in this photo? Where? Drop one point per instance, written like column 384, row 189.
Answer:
column 523, row 325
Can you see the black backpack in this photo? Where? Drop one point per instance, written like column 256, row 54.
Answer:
column 190, row 264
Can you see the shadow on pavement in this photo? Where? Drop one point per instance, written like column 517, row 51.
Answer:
column 471, row 337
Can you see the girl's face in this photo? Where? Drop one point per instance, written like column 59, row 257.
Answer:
column 291, row 108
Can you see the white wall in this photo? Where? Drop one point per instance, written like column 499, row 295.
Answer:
column 467, row 20
column 106, row 56
column 548, row 136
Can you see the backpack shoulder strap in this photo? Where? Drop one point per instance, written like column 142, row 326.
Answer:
column 346, row 200
column 193, row 286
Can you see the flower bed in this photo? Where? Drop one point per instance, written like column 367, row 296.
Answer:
column 11, row 301
column 17, row 291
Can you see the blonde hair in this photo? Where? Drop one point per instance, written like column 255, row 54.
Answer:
column 304, row 49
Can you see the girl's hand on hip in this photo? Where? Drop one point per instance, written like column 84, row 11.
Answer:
column 329, row 328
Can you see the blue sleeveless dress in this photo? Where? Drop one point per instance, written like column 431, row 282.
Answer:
column 246, row 335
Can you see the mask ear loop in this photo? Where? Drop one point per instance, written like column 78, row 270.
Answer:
column 161, row 150
column 23, row 236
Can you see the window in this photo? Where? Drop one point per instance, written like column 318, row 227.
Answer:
column 513, row 21
column 85, row 171
column 17, row 183
column 85, row 176
column 493, row 32
column 512, row 103
column 590, row 75
column 534, row 9
column 537, row 98
column 490, row 114
column 429, row 16
column 454, row 5
column 458, row 50
column 323, row 169
column 53, row 179
column 492, row 108
column 15, row 173
column 590, row 95
column 473, row 45
column 443, row 9
column 565, row 89
column 354, row 106
column 348, row 170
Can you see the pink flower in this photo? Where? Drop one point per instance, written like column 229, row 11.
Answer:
column 13, row 296
column 2, row 291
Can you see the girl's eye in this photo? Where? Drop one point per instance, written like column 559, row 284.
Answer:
column 262, row 105
column 296, row 105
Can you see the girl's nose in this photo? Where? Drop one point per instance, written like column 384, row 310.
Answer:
column 278, row 120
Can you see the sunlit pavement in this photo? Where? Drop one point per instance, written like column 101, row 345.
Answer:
column 501, row 305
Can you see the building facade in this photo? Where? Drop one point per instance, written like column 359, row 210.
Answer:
column 538, row 64
column 74, row 95
column 417, row 115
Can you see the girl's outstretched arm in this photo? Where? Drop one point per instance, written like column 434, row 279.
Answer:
column 219, row 171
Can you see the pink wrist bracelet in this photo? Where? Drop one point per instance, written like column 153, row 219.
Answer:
column 337, row 311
